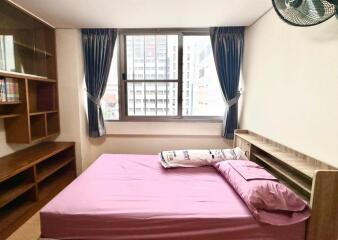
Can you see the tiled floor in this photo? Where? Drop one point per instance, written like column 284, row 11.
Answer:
column 30, row 230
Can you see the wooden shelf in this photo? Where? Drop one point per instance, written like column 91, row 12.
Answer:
column 9, row 115
column 52, row 167
column 295, row 160
column 40, row 139
column 22, row 75
column 43, row 80
column 42, row 112
column 24, row 191
column 53, row 185
column 9, row 103
column 14, row 215
column 19, row 161
column 10, row 194
column 301, row 183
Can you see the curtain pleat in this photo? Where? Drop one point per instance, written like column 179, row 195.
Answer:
column 227, row 44
column 98, row 48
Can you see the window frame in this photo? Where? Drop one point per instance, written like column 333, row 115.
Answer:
column 122, row 70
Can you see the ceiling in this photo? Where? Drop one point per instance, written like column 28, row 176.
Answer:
column 146, row 13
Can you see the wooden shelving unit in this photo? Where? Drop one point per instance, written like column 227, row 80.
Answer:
column 30, row 178
column 32, row 62
column 36, row 113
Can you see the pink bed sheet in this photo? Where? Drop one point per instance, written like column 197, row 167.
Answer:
column 122, row 197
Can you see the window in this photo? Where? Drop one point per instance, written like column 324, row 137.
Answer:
column 152, row 76
column 163, row 75
column 205, row 97
column 110, row 100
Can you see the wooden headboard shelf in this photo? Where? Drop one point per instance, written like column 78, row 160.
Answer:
column 313, row 180
column 290, row 177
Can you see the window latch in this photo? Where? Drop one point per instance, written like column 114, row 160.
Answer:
column 124, row 76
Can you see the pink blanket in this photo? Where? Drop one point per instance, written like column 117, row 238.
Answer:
column 122, row 197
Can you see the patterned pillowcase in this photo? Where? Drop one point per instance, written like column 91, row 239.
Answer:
column 198, row 158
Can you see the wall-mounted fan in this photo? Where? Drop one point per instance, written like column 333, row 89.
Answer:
column 305, row 12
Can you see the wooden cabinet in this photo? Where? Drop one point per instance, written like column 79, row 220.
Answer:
column 27, row 56
column 27, row 45
column 30, row 178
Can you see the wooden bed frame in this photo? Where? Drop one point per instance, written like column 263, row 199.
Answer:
column 314, row 181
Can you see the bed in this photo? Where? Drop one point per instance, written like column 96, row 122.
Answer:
column 124, row 197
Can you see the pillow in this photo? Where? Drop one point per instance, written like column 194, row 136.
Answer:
column 198, row 158
column 268, row 200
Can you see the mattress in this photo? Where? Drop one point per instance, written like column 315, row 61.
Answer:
column 122, row 197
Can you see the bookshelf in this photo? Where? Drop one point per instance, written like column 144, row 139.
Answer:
column 30, row 61
column 30, row 178
column 36, row 110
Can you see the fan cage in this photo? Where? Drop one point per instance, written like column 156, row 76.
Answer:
column 296, row 16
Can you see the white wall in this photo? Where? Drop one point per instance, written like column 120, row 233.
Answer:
column 124, row 137
column 291, row 85
column 70, row 80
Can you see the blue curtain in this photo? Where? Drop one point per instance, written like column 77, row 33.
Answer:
column 98, row 48
column 227, row 45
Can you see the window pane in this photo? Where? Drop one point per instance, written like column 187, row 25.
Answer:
column 150, row 99
column 172, row 93
column 172, row 55
column 131, row 99
column 161, row 99
column 152, row 57
column 110, row 100
column 202, row 95
column 130, row 56
column 161, row 57
column 139, row 62
column 139, row 89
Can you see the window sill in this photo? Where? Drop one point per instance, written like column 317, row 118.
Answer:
column 166, row 128
column 193, row 119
